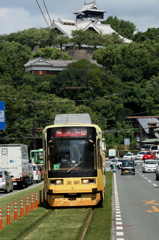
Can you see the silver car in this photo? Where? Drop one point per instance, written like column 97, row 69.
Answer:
column 149, row 165
column 140, row 155
column 6, row 183
column 130, row 156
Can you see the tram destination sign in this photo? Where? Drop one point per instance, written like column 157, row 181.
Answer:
column 2, row 116
column 71, row 132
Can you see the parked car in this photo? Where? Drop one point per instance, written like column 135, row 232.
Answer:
column 130, row 156
column 140, row 155
column 6, row 183
column 149, row 155
column 36, row 173
column 128, row 166
column 149, row 166
column 157, row 172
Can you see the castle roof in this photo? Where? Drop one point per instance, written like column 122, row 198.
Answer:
column 66, row 28
column 90, row 7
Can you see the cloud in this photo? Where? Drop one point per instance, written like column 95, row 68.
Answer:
column 14, row 20
column 23, row 14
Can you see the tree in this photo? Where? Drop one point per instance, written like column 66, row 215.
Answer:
column 124, row 28
column 79, row 38
column 31, row 37
column 62, row 40
column 133, row 62
column 151, row 34
column 51, row 53
column 93, row 38
column 13, row 56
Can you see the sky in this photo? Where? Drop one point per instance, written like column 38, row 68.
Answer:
column 17, row 15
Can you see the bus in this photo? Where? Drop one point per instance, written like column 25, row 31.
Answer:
column 37, row 156
column 74, row 161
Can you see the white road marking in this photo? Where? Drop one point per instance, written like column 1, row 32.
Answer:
column 119, row 228
column 119, row 233
column 119, row 223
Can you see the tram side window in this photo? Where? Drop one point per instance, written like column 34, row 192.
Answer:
column 88, row 159
column 99, row 156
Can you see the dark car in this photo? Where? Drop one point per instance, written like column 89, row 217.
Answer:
column 128, row 166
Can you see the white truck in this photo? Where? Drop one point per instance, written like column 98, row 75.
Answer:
column 14, row 159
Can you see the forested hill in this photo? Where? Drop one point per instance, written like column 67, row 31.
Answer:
column 127, row 84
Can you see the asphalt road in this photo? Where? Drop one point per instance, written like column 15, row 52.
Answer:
column 136, row 205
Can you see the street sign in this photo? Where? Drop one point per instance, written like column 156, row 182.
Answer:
column 2, row 116
column 112, row 152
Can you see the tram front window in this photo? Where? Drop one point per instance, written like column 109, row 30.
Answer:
column 39, row 156
column 76, row 154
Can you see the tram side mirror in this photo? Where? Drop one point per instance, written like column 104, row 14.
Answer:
column 90, row 145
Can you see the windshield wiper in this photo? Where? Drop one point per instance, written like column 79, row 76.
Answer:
column 76, row 165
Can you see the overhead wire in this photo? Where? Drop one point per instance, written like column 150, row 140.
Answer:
column 42, row 14
column 47, row 11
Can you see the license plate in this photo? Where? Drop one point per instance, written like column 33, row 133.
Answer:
column 14, row 183
column 126, row 171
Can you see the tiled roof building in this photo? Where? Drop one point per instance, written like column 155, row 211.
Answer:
column 40, row 66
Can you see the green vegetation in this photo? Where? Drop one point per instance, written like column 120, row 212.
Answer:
column 124, row 84
column 51, row 53
column 101, row 223
column 61, row 224
column 16, row 228
column 124, row 28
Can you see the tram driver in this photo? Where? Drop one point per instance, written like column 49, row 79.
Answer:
column 65, row 160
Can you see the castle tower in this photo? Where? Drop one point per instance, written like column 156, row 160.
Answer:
column 90, row 11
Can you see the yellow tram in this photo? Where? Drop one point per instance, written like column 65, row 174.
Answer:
column 74, row 161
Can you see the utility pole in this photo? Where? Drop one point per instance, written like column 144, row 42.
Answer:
column 77, row 89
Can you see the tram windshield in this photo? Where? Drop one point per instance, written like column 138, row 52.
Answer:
column 70, row 153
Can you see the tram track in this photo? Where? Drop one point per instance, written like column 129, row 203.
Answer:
column 35, row 225
column 64, row 223
column 86, row 225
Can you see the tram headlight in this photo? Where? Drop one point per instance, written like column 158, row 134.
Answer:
column 56, row 182
column 88, row 181
column 85, row 181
